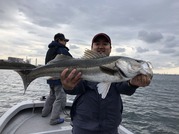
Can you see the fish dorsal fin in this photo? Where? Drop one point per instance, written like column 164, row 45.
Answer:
column 89, row 54
column 59, row 57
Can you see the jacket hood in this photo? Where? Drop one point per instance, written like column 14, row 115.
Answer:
column 55, row 44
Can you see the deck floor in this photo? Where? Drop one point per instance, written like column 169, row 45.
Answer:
column 30, row 121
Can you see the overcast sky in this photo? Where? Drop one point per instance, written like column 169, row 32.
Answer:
column 142, row 29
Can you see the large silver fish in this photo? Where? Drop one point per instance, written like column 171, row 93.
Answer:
column 94, row 67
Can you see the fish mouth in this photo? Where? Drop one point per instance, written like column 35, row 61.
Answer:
column 120, row 70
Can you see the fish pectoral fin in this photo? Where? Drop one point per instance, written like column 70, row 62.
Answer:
column 108, row 69
column 103, row 88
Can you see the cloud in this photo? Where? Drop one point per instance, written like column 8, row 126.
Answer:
column 120, row 49
column 167, row 51
column 142, row 50
column 151, row 37
column 170, row 38
column 73, row 46
column 143, row 29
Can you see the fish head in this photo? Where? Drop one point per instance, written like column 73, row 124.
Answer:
column 146, row 68
column 129, row 68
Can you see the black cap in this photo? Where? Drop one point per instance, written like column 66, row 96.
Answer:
column 101, row 35
column 60, row 36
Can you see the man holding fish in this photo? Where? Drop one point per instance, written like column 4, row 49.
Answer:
column 98, row 106
column 98, row 80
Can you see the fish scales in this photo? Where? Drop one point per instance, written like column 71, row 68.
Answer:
column 87, row 67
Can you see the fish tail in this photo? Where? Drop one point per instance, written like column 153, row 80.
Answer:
column 25, row 78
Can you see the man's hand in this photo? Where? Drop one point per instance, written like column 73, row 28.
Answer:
column 140, row 81
column 71, row 80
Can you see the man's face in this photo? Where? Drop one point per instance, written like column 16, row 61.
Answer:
column 101, row 46
column 63, row 42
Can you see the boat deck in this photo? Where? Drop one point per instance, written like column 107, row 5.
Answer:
column 25, row 118
column 29, row 121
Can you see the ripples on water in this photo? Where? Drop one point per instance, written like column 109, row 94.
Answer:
column 11, row 90
column 151, row 110
column 154, row 109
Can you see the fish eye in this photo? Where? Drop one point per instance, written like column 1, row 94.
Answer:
column 150, row 65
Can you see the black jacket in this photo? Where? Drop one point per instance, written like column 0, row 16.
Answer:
column 55, row 48
column 91, row 112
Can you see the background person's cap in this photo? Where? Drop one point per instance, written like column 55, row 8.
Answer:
column 60, row 36
column 101, row 35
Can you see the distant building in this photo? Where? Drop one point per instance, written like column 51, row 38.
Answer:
column 14, row 59
column 28, row 61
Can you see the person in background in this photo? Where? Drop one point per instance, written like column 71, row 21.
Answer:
column 56, row 100
column 90, row 113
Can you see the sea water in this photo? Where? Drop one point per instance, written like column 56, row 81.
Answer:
column 151, row 110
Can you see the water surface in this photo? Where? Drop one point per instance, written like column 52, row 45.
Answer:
column 151, row 110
